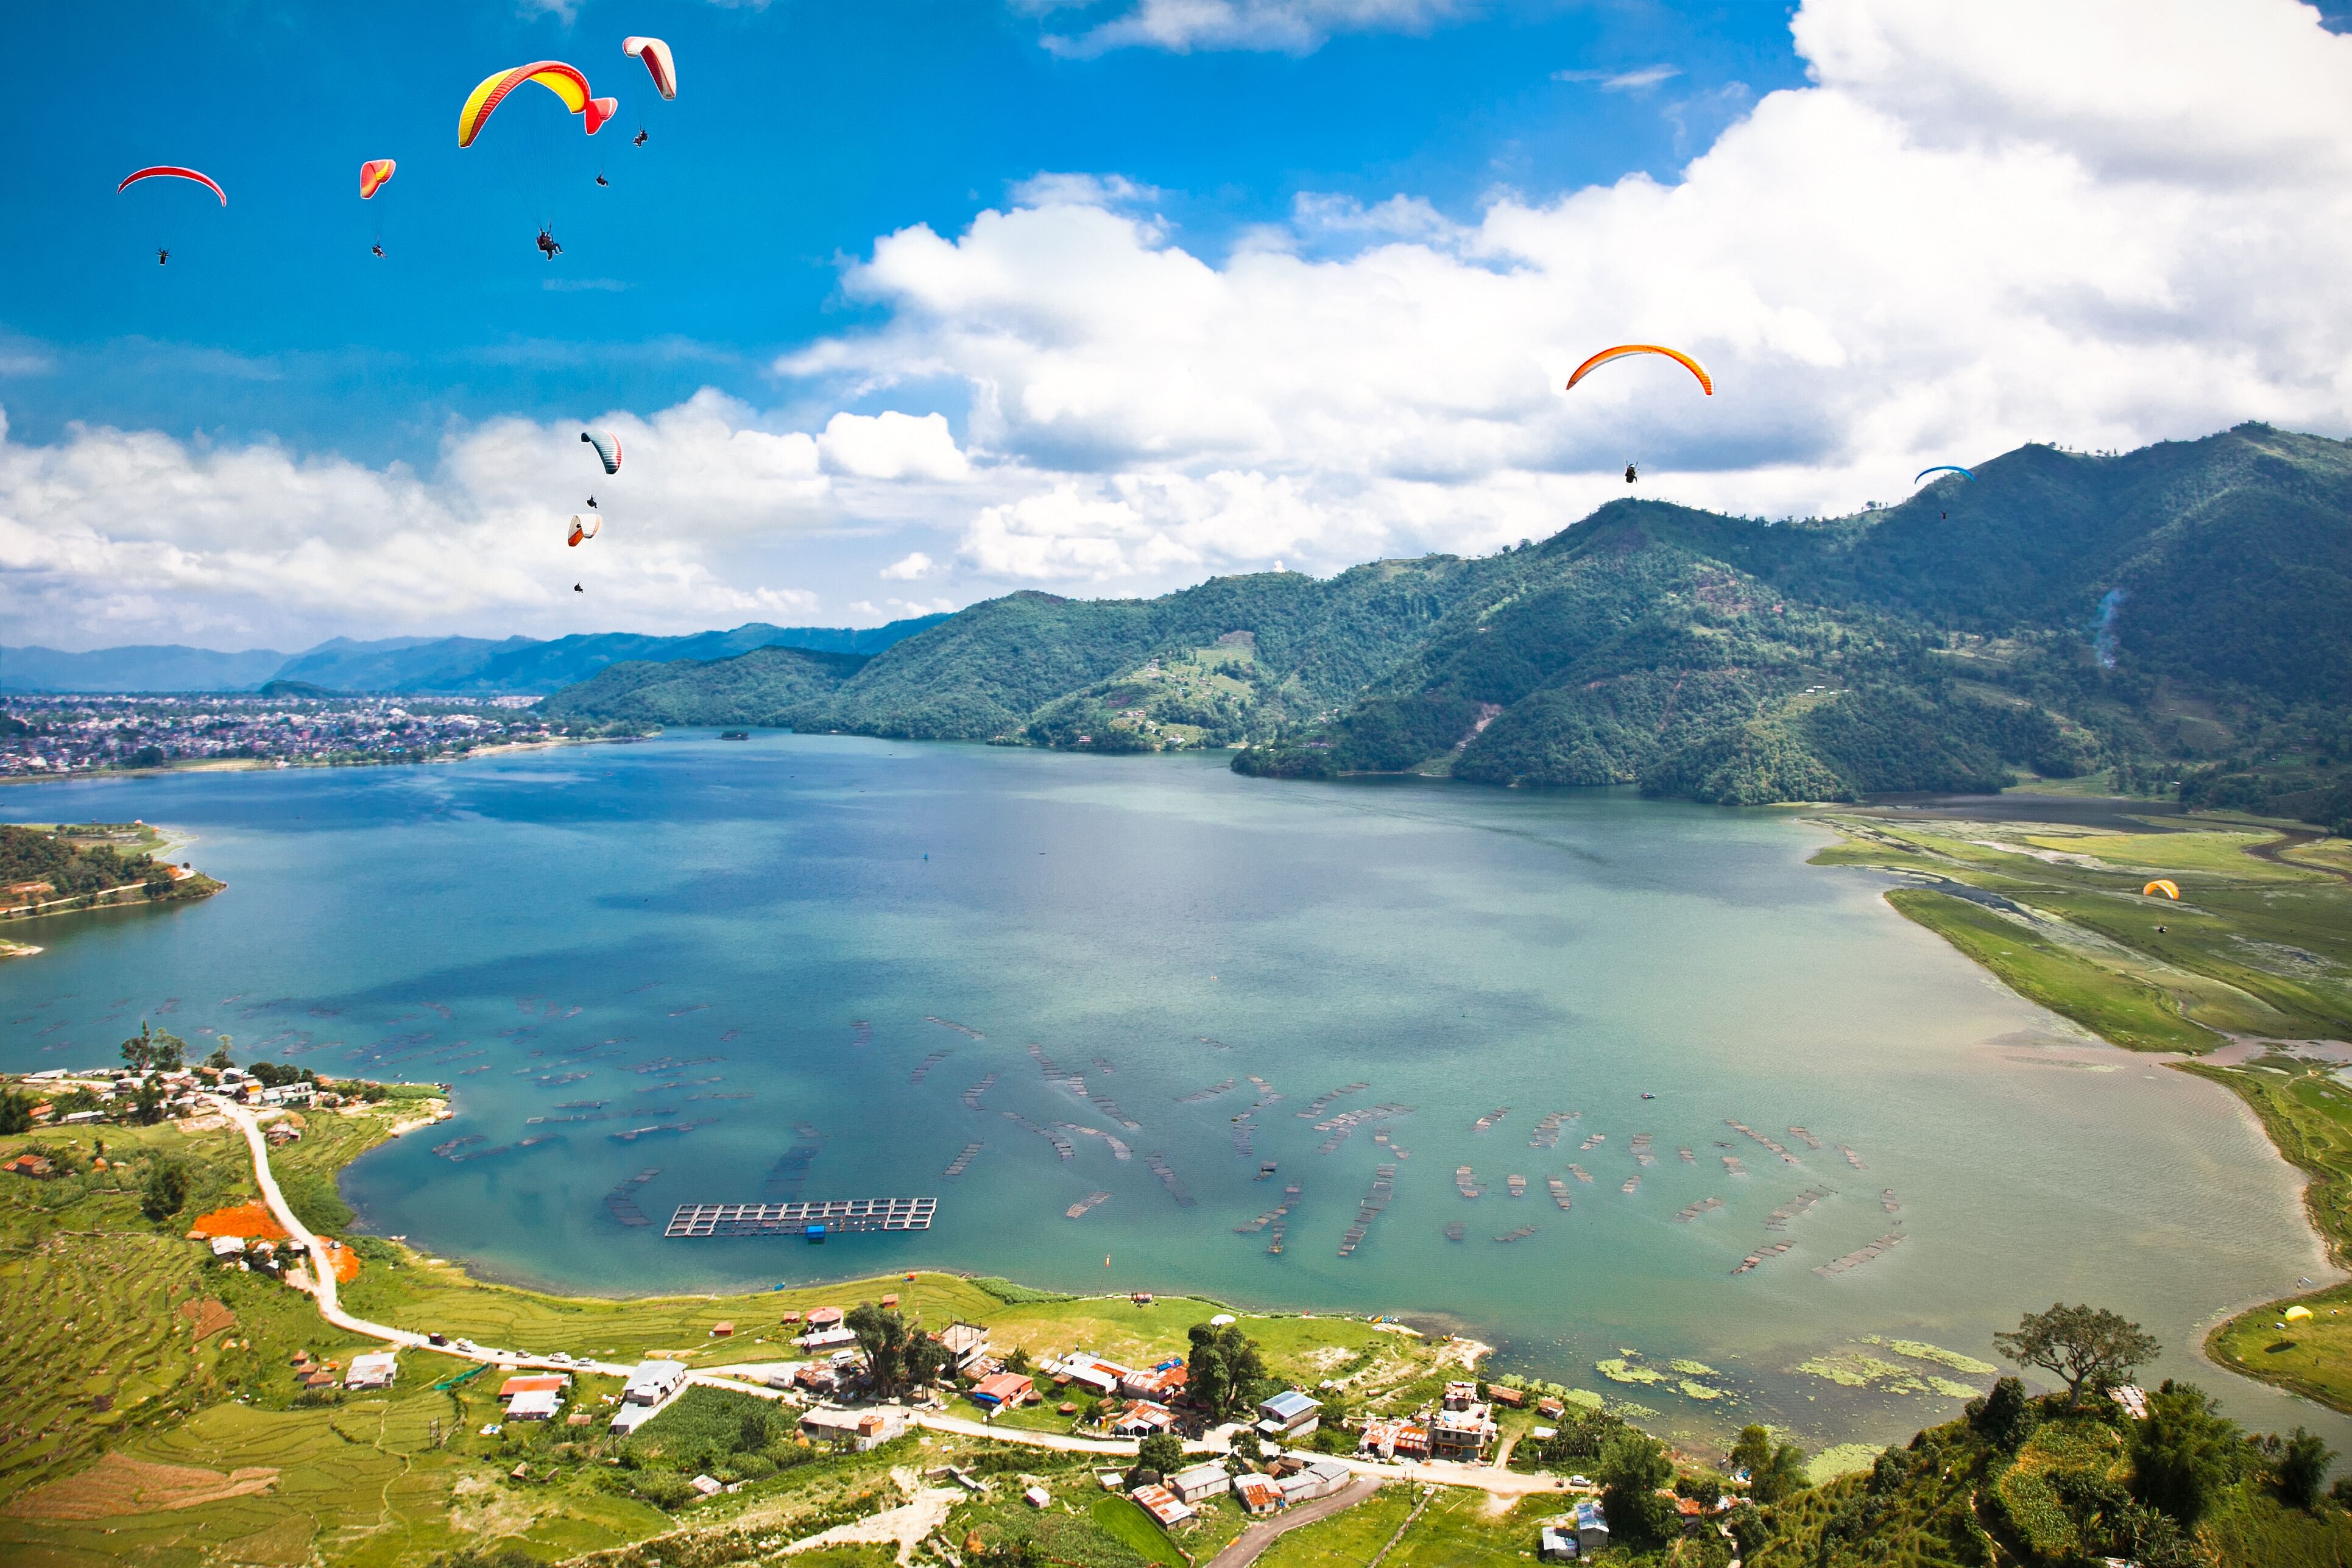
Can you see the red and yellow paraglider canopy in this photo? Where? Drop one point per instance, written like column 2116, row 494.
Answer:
column 565, row 81
column 1625, row 351
column 373, row 173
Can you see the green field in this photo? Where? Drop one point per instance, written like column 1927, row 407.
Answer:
column 2255, row 948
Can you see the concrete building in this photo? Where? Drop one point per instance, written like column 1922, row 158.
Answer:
column 1591, row 1528
column 1289, row 1414
column 651, row 1382
column 1258, row 1496
column 1199, row 1481
column 857, row 1429
column 374, row 1369
column 1393, row 1438
column 535, row 1404
column 1461, row 1433
column 1004, row 1390
column 1141, row 1418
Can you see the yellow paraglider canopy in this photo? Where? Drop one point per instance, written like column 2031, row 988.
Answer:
column 2296, row 1314
column 2169, row 888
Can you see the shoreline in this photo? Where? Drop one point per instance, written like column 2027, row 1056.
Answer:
column 2071, row 955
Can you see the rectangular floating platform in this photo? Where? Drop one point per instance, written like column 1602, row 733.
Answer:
column 831, row 1218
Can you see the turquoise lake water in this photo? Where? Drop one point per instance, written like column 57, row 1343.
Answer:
column 793, row 958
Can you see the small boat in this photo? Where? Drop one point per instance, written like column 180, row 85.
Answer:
column 734, row 734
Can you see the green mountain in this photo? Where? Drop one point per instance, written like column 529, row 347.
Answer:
column 2167, row 616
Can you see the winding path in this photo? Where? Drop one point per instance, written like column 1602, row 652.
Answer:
column 1248, row 1546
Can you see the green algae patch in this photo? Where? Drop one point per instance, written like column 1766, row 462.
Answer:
column 1694, row 1369
column 1844, row 1459
column 1691, row 1390
column 1617, row 1369
column 1920, row 1350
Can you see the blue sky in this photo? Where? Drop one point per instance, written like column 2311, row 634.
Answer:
column 910, row 302
column 802, row 132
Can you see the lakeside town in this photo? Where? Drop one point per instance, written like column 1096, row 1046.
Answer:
column 56, row 737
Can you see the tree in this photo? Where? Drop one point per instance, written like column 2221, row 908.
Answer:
column 2086, row 1347
column 1157, row 1456
column 1632, row 1469
column 163, row 1189
column 171, row 1051
column 1018, row 1361
column 751, row 1433
column 220, row 1056
column 2302, row 1467
column 147, row 1106
column 2005, row 1417
column 1223, row 1369
column 138, row 1050
column 1782, row 1476
column 2183, row 1454
column 1753, row 1449
column 897, row 1357
column 16, row 1114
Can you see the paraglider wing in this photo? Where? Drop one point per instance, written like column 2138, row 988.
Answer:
column 655, row 54
column 2296, row 1314
column 1623, row 349
column 2165, row 885
column 585, row 526
column 559, row 79
column 171, row 171
column 608, row 447
column 373, row 173
column 1944, row 468
column 599, row 110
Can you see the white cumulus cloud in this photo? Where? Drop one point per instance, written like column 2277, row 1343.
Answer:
column 1943, row 246
column 1294, row 26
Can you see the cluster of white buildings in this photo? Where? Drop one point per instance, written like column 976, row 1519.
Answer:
column 76, row 735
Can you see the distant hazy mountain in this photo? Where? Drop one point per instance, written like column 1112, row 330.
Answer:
column 165, row 667
column 474, row 667
column 2172, row 613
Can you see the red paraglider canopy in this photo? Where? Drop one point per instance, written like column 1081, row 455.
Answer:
column 173, row 170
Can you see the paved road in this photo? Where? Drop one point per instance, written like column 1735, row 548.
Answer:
column 1252, row 1541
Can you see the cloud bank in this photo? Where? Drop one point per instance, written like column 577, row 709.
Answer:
column 1944, row 244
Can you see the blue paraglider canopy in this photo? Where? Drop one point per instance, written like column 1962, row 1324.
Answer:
column 1944, row 468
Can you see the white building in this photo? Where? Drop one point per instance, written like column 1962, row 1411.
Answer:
column 653, row 1381
column 374, row 1369
column 1199, row 1481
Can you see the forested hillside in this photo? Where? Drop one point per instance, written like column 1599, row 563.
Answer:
column 2171, row 618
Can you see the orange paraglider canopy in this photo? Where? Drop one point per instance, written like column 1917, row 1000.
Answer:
column 2164, row 886
column 1624, row 351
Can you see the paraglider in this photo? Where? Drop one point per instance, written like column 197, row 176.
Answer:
column 659, row 63
column 377, row 248
column 565, row 81
column 592, row 501
column 173, row 171
column 1632, row 473
column 373, row 173
column 639, row 138
column 584, row 525
column 608, row 448
column 1624, row 351
column 547, row 245
column 2165, row 885
column 2296, row 1314
column 600, row 179
column 1944, row 468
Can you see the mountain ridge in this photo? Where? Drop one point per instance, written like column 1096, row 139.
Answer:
column 2164, row 617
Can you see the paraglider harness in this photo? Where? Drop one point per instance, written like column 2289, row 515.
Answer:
column 377, row 248
column 1630, row 474
column 639, row 139
column 161, row 256
column 548, row 246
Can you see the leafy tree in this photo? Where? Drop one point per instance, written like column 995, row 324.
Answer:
column 2301, row 1467
column 1749, row 1529
column 2086, row 1347
column 1632, row 1469
column 138, row 1050
column 1753, row 1449
column 171, row 1051
column 2005, row 1417
column 1223, row 1369
column 751, row 1433
column 1019, row 1360
column 220, row 1056
column 163, row 1189
column 1157, row 1456
column 897, row 1357
column 16, row 1113
column 147, row 1105
column 1782, row 1476
column 2184, row 1454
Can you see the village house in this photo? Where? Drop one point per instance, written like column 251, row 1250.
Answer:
column 1461, row 1433
column 1289, row 1414
column 1394, row 1438
column 1199, row 1481
column 1005, row 1391
column 1161, row 1384
column 1164, row 1506
column 651, row 1382
column 1258, row 1496
column 1141, row 1418
column 857, row 1429
column 375, row 1370
column 965, row 1343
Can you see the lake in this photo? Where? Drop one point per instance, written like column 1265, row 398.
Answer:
column 825, row 967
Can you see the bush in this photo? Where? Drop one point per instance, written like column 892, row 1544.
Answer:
column 164, row 1189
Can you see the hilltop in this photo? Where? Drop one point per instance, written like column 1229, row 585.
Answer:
column 2164, row 617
